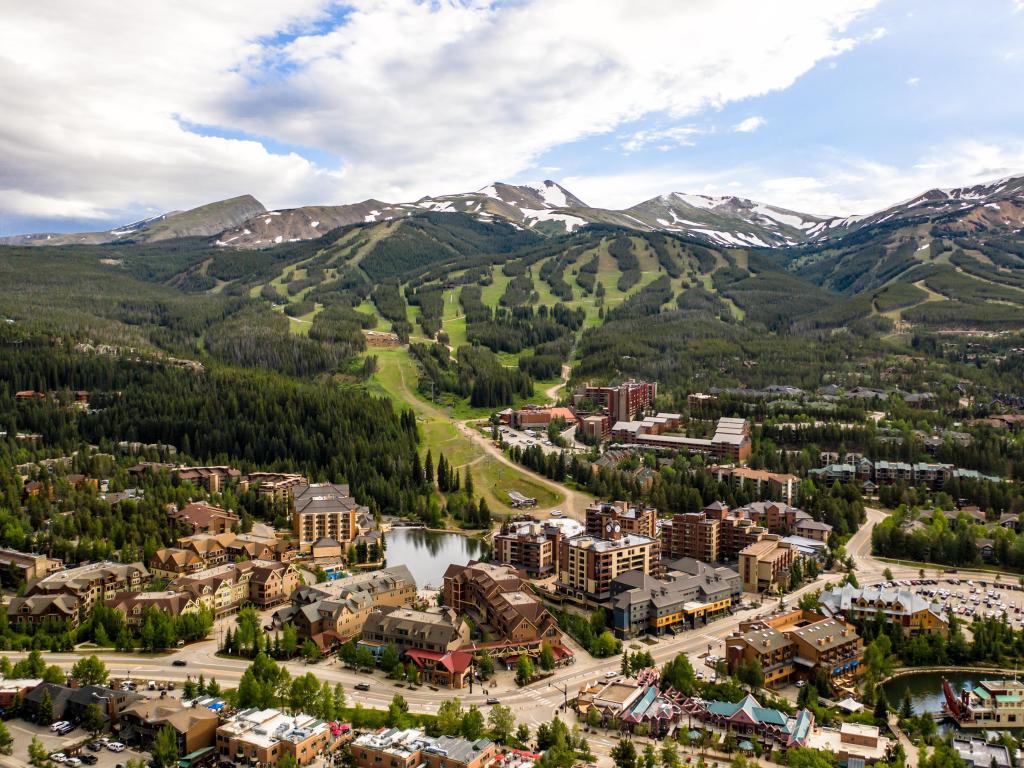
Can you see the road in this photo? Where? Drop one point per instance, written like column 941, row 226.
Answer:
column 532, row 705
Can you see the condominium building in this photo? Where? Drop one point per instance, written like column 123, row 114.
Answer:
column 798, row 644
column 777, row 485
column 412, row 747
column 335, row 611
column 265, row 736
column 323, row 511
column 72, row 593
column 690, row 592
column 212, row 479
column 531, row 548
column 135, row 605
column 200, row 517
column 765, row 564
column 498, row 600
column 630, row 518
column 194, row 728
column 718, row 533
column 226, row 588
column 730, row 442
column 913, row 613
column 587, row 565
column 621, row 402
column 441, row 630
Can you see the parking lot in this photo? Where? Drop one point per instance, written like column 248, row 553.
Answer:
column 970, row 599
column 539, row 437
column 22, row 732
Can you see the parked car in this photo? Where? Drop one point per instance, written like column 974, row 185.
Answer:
column 116, row 746
column 64, row 730
column 58, row 725
column 95, row 746
column 74, row 762
column 58, row 757
column 89, row 759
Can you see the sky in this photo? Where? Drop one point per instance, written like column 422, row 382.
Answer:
column 113, row 112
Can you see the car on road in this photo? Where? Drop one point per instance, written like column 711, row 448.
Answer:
column 362, row 686
column 801, row 683
column 492, row 701
column 179, row 663
column 610, row 674
column 557, row 513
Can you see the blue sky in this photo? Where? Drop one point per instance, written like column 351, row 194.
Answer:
column 849, row 105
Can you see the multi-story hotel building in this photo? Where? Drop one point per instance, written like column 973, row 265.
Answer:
column 531, row 548
column 587, row 565
column 323, row 511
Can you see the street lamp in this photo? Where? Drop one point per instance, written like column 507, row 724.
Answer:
column 565, row 694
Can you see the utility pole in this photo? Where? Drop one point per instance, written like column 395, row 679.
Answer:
column 565, row 694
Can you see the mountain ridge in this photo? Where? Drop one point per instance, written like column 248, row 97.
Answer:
column 550, row 209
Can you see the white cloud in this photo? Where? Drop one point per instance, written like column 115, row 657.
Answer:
column 913, row 81
column 879, row 32
column 664, row 138
column 412, row 96
column 749, row 125
column 835, row 185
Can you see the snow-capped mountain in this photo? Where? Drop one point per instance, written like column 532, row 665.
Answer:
column 730, row 221
column 550, row 209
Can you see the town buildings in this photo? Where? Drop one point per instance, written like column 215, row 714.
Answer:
column 748, row 718
column 441, row 630
column 530, row 547
column 620, row 402
column 264, row 736
column 933, row 476
column 194, row 727
column 776, row 485
column 134, row 605
column 730, row 442
column 23, row 567
column 335, row 611
column 797, row 644
column 323, row 510
column 498, row 601
column 765, row 564
column 70, row 594
column 225, row 588
column 587, row 565
column 914, row 613
column 630, row 518
column 691, row 591
column 631, row 703
column 537, row 417
column 852, row 742
column 720, row 534
column 412, row 747
column 200, row 517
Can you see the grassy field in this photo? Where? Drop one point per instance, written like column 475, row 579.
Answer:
column 396, row 378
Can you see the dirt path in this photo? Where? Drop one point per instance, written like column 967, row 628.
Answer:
column 552, row 392
column 575, row 504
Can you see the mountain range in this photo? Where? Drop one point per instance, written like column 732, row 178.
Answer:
column 547, row 208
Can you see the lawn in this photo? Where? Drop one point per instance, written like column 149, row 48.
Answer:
column 396, row 378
